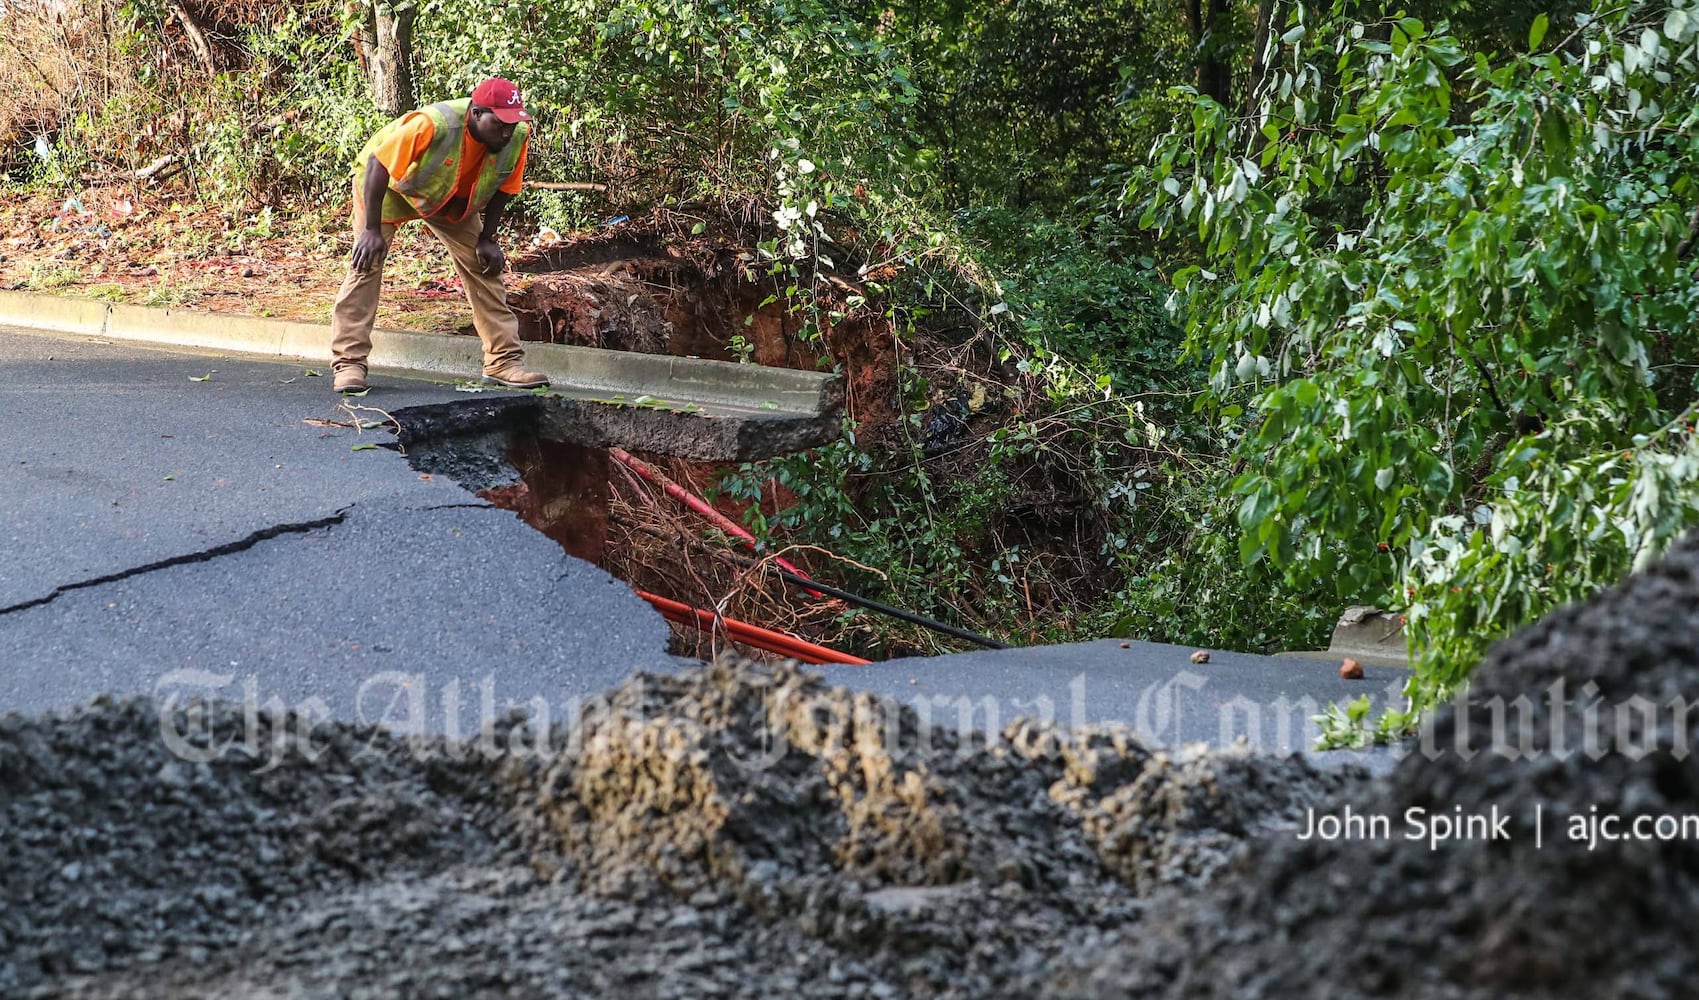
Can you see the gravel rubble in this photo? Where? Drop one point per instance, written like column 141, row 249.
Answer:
column 731, row 830
column 1482, row 918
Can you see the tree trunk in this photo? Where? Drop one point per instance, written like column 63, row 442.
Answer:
column 1215, row 72
column 1259, row 50
column 384, row 46
column 1195, row 26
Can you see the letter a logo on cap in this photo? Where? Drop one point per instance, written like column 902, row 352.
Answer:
column 502, row 98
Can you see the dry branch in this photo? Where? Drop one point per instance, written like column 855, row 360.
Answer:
column 197, row 34
column 161, row 169
column 566, row 186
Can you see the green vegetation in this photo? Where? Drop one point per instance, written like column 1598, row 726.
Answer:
column 1450, row 301
column 1209, row 318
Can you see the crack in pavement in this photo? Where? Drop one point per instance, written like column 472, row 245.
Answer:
column 204, row 555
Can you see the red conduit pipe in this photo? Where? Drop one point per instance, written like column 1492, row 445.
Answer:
column 700, row 506
column 753, row 635
column 750, row 635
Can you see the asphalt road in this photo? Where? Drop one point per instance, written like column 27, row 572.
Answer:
column 173, row 534
column 162, row 534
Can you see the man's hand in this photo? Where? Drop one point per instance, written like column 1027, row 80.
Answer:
column 490, row 257
column 369, row 249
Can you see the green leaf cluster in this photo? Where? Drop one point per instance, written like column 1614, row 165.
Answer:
column 1447, row 296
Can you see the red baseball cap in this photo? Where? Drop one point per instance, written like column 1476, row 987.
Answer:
column 502, row 97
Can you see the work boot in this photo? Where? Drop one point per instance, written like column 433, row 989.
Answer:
column 514, row 376
column 349, row 377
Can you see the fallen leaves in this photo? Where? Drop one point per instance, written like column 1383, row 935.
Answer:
column 1351, row 670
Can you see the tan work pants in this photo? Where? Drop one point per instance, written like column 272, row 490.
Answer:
column 357, row 303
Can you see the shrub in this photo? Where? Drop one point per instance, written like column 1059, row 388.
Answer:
column 1467, row 395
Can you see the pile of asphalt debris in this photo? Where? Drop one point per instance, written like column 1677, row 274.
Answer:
column 1567, row 724
column 746, row 830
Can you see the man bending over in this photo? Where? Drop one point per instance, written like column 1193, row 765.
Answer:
column 454, row 166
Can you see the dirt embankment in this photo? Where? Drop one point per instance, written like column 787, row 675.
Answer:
column 733, row 831
column 649, row 284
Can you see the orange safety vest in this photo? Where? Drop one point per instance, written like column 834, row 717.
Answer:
column 429, row 182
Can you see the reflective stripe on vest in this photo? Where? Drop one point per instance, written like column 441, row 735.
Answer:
column 429, row 182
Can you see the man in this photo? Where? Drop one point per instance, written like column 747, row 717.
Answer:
column 453, row 165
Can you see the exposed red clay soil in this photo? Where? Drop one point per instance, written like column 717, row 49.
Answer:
column 642, row 292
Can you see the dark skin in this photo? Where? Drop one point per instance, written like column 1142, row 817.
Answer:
column 494, row 134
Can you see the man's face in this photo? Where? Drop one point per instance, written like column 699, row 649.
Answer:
column 485, row 127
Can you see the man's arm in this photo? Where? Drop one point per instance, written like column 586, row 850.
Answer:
column 369, row 245
column 490, row 256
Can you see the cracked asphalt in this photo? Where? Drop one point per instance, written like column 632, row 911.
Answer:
column 164, row 534
column 177, row 524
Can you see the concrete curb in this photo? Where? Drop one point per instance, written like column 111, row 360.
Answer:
column 585, row 370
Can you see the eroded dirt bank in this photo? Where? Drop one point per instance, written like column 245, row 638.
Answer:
column 744, row 830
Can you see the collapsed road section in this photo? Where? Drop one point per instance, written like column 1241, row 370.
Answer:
column 236, row 529
column 552, row 461
column 565, row 469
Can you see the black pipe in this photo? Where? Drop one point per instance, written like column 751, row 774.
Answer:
column 804, row 583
